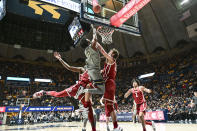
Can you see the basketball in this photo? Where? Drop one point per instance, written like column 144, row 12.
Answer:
column 97, row 9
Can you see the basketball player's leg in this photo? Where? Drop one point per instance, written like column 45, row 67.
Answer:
column 87, row 103
column 107, row 123
column 71, row 92
column 141, row 119
column 134, row 115
column 98, row 87
column 141, row 110
column 144, row 122
column 89, row 110
column 88, row 96
column 63, row 93
column 85, row 121
column 98, row 84
column 109, row 110
column 109, row 97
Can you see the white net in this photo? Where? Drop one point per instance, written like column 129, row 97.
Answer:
column 106, row 34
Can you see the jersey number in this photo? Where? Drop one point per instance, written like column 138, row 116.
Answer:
column 136, row 94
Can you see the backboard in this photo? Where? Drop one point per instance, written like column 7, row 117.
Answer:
column 111, row 7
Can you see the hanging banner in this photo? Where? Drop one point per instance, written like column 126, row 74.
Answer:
column 127, row 12
column 67, row 4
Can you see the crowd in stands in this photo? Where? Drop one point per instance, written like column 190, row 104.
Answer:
column 172, row 85
column 46, row 117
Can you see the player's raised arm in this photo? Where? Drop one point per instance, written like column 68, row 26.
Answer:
column 106, row 55
column 142, row 88
column 93, row 43
column 128, row 93
column 66, row 65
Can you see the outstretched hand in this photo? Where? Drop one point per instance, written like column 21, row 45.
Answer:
column 57, row 55
column 94, row 32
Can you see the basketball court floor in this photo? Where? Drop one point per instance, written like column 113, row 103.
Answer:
column 77, row 126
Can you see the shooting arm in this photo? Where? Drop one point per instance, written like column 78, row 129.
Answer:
column 94, row 39
column 100, row 48
column 71, row 68
column 128, row 93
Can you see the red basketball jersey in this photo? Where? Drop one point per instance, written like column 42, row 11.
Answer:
column 138, row 96
column 84, row 79
column 109, row 71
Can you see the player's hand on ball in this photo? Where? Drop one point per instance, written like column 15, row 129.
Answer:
column 57, row 55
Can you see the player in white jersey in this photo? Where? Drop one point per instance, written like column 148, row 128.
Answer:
column 93, row 65
column 97, row 84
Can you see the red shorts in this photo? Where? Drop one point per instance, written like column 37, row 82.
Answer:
column 110, row 88
column 75, row 91
column 141, row 107
column 109, row 107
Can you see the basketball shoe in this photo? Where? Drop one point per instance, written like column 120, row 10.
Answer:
column 39, row 94
column 153, row 126
column 118, row 129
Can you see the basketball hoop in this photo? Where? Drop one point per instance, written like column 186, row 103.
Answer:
column 106, row 34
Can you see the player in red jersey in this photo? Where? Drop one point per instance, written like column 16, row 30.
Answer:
column 138, row 96
column 109, row 75
column 75, row 91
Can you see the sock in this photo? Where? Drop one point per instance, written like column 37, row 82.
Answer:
column 115, row 124
column 91, row 116
column 93, row 129
column 148, row 123
column 144, row 129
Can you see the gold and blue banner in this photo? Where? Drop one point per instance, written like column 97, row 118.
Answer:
column 38, row 10
column 39, row 108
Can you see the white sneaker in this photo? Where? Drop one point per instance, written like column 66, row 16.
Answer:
column 83, row 129
column 118, row 129
column 153, row 126
column 38, row 94
column 108, row 129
